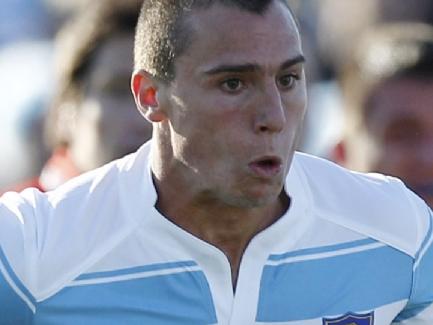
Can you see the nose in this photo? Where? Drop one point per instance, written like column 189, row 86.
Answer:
column 270, row 114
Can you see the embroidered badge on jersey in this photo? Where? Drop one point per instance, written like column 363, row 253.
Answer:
column 351, row 319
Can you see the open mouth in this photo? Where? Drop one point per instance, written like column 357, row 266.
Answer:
column 268, row 163
column 266, row 166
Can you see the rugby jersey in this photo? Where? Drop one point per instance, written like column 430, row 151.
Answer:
column 353, row 249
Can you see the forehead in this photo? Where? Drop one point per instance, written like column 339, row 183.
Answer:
column 229, row 34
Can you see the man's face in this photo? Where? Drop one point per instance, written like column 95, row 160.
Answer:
column 400, row 128
column 108, row 126
column 236, row 104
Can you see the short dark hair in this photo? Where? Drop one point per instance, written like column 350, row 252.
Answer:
column 162, row 35
column 77, row 44
column 387, row 52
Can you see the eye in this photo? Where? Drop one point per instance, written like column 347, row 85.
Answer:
column 232, row 85
column 287, row 81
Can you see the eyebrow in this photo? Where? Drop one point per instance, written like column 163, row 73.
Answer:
column 251, row 67
column 291, row 62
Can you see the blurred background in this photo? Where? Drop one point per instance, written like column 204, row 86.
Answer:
column 27, row 31
column 330, row 29
column 66, row 103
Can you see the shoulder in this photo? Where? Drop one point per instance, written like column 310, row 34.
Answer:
column 50, row 238
column 375, row 205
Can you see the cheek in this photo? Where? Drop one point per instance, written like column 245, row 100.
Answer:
column 295, row 109
column 209, row 145
column 296, row 103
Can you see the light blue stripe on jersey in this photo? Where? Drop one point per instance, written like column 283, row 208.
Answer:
column 182, row 298
column 138, row 269
column 423, row 284
column 13, row 309
column 427, row 237
column 322, row 249
column 354, row 282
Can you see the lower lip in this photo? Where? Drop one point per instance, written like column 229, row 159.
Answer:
column 265, row 171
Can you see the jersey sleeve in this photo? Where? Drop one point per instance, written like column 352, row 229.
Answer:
column 17, row 257
column 419, row 309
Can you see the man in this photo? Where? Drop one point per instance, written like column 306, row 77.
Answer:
column 388, row 90
column 216, row 220
column 92, row 119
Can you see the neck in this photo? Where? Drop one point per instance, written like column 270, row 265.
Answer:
column 226, row 227
column 214, row 222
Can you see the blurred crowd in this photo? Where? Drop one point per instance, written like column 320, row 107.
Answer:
column 67, row 103
column 63, row 87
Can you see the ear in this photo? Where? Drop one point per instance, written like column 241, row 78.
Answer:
column 145, row 90
column 339, row 153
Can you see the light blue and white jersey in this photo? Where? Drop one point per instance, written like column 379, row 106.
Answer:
column 352, row 249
